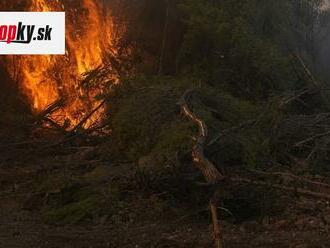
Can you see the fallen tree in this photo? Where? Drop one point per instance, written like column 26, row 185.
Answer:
column 297, row 185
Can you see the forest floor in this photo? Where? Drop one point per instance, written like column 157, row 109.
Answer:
column 67, row 197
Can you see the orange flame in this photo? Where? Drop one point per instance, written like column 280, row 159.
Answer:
column 46, row 79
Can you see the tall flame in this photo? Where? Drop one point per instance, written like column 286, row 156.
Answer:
column 46, row 79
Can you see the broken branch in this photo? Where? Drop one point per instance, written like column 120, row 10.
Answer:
column 207, row 168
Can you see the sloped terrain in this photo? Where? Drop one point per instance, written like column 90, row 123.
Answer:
column 73, row 201
column 84, row 192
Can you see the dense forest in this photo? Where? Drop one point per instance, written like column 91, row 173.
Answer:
column 215, row 132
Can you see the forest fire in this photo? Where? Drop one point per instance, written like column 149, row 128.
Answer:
column 158, row 123
column 48, row 79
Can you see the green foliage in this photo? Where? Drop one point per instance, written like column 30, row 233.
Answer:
column 174, row 138
column 81, row 204
column 240, row 55
column 237, row 46
column 221, row 111
column 74, row 212
column 145, row 119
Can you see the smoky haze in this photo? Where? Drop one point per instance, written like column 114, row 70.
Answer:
column 325, row 5
column 322, row 40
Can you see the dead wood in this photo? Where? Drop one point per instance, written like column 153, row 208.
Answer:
column 231, row 130
column 308, row 72
column 44, row 116
column 206, row 167
column 55, row 125
column 316, row 136
column 87, row 117
column 296, row 96
column 216, row 226
column 298, row 191
column 51, row 109
column 292, row 176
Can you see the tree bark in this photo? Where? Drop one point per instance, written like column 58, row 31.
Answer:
column 207, row 168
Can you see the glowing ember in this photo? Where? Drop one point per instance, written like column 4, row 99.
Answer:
column 47, row 79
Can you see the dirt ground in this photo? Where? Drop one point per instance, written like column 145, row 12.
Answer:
column 116, row 207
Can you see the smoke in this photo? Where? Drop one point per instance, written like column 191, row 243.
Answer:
column 322, row 42
column 325, row 5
